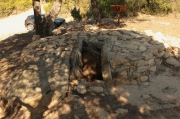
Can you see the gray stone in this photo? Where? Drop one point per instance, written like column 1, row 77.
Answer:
column 146, row 96
column 158, row 61
column 93, row 94
column 119, row 59
column 141, row 63
column 133, row 82
column 119, row 44
column 143, row 68
column 125, row 50
column 160, row 47
column 173, row 61
column 35, row 37
column 121, row 111
column 153, row 68
column 98, row 83
column 134, row 56
column 146, row 43
column 169, row 89
column 147, row 55
column 115, row 49
column 76, row 117
column 106, row 70
column 161, row 54
column 167, row 53
column 81, row 88
column 99, row 113
column 114, row 33
column 102, row 94
column 144, row 78
column 96, row 89
column 132, row 46
column 151, row 62
column 142, row 48
column 145, row 83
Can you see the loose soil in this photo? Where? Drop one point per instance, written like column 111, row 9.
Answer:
column 168, row 25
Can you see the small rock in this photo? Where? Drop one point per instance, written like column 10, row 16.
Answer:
column 169, row 89
column 74, row 82
column 93, row 94
column 143, row 68
column 76, row 117
column 146, row 84
column 36, row 37
column 102, row 114
column 133, row 82
column 81, row 88
column 173, row 61
column 102, row 94
column 146, row 96
column 144, row 78
column 142, row 48
column 121, row 111
column 68, row 49
column 98, row 83
column 96, row 89
column 158, row 61
column 153, row 68
column 147, row 55
column 151, row 62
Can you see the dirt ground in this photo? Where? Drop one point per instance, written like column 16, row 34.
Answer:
column 168, row 25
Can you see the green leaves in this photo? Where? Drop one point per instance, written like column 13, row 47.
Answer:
column 75, row 13
column 9, row 7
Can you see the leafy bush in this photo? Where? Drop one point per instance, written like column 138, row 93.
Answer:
column 8, row 7
column 75, row 13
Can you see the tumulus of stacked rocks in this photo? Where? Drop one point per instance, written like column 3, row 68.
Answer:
column 127, row 57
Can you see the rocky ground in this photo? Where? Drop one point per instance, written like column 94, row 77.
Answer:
column 34, row 94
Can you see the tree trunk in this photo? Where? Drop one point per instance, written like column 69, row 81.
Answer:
column 148, row 2
column 37, row 17
column 96, row 12
column 50, row 17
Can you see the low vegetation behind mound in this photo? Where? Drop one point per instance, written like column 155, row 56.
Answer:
column 9, row 7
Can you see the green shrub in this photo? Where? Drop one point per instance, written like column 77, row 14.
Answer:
column 9, row 7
column 75, row 13
column 48, row 6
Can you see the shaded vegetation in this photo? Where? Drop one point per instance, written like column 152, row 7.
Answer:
column 9, row 7
column 75, row 13
column 155, row 7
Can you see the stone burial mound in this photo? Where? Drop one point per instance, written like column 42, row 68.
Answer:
column 126, row 57
column 85, row 61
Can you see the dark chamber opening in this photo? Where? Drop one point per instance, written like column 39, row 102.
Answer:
column 91, row 58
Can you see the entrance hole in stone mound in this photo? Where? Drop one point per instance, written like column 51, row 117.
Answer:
column 91, row 59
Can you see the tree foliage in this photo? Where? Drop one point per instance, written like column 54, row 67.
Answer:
column 8, row 7
column 75, row 13
column 69, row 5
column 145, row 6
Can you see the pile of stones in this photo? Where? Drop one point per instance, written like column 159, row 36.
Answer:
column 129, row 57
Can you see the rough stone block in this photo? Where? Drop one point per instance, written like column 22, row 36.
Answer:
column 173, row 61
column 147, row 55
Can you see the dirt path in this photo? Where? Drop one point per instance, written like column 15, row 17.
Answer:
column 168, row 25
column 14, row 24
